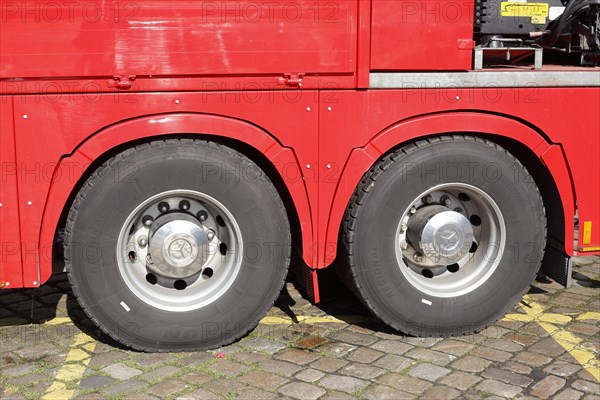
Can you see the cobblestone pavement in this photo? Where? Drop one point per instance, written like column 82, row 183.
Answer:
column 548, row 347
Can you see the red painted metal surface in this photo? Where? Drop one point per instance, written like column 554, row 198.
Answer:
column 176, row 38
column 422, row 35
column 320, row 141
column 10, row 237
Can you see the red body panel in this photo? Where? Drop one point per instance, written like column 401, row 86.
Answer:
column 409, row 35
column 176, row 38
column 10, row 236
column 320, row 141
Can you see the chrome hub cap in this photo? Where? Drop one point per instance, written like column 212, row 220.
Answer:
column 450, row 240
column 179, row 247
column 442, row 236
column 180, row 250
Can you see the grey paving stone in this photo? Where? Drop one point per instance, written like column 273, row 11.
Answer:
column 505, row 376
column 454, row 347
column 262, row 344
column 428, row 372
column 561, row 368
column 460, row 380
column 200, row 394
column 405, row 383
column 354, row 338
column 329, row 364
column 297, row 356
column 95, row 382
column 549, row 347
column 505, row 345
column 392, row 347
column 167, row 388
column 381, row 392
column 129, row 386
column 499, row 388
column 491, row 354
column 365, row 355
column 147, row 360
column 585, row 386
column 301, row 391
column 196, row 378
column 280, row 367
column 548, row 386
column 37, row 352
column 224, row 387
column 254, row 394
column 432, row 356
column 471, row 364
column 440, row 392
column 309, row 375
column 18, row 370
column 346, row 384
column 363, row 371
column 394, row 363
column 568, row 394
column 336, row 349
column 228, row 368
column 263, row 380
column 102, row 360
column 121, row 371
column 532, row 359
column 159, row 373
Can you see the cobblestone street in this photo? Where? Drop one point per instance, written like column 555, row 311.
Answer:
column 548, row 347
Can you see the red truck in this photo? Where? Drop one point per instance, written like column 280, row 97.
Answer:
column 179, row 151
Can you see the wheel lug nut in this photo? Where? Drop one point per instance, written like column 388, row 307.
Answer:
column 210, row 235
column 404, row 228
column 413, row 210
column 445, row 200
column 418, row 257
column 143, row 241
column 147, row 220
column 184, row 205
column 202, row 215
column 428, row 199
column 458, row 210
column 163, row 207
column 404, row 245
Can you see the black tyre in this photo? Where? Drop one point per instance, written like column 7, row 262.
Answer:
column 444, row 236
column 177, row 245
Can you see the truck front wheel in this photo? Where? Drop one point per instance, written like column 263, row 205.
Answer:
column 177, row 245
column 444, row 236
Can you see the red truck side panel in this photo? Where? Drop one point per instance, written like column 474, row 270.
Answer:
column 10, row 236
column 177, row 38
column 422, row 35
column 381, row 119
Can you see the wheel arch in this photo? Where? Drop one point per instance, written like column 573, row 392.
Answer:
column 528, row 144
column 252, row 141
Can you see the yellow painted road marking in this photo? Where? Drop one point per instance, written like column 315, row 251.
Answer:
column 589, row 316
column 72, row 371
column 566, row 339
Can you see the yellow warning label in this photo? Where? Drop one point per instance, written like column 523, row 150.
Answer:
column 520, row 9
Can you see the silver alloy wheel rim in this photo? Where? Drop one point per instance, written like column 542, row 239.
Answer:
column 196, row 243
column 440, row 213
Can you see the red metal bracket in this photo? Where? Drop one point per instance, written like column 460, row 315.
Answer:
column 291, row 79
column 122, row 82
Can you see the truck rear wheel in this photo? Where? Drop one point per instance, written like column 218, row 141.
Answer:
column 177, row 245
column 445, row 236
